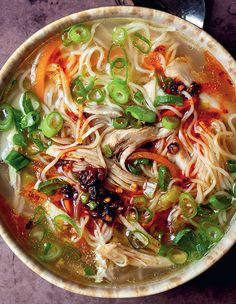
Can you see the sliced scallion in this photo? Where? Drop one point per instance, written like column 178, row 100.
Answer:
column 168, row 99
column 141, row 43
column 6, row 117
column 119, row 92
column 51, row 124
column 79, row 33
column 107, row 151
column 29, row 120
column 120, row 122
column 17, row 160
column 119, row 35
column 187, row 205
column 170, row 122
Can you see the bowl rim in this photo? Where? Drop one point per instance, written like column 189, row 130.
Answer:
column 207, row 42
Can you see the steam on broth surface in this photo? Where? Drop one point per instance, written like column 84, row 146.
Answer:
column 118, row 156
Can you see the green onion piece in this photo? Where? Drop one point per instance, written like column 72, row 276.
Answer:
column 17, row 160
column 30, row 102
column 119, row 35
column 164, row 177
column 119, row 92
column 182, row 233
column 63, row 220
column 107, row 151
column 51, row 124
column 115, row 52
column 92, row 205
column 141, row 113
column 142, row 161
column 170, row 122
column 37, row 234
column 231, row 165
column 170, row 198
column 6, row 117
column 147, row 216
column 19, row 140
column 50, row 252
column 134, row 123
column 168, row 99
column 79, row 90
column 140, row 201
column 214, row 234
column 39, row 215
column 49, row 187
column 17, row 114
column 163, row 250
column 88, row 271
column 29, row 120
column 187, row 205
column 134, row 170
column 97, row 95
column 118, row 66
column 70, row 253
column 141, row 43
column 220, row 202
column 84, row 198
column 120, row 122
column 39, row 145
column 138, row 96
column 79, row 33
column 65, row 37
column 177, row 256
column 137, row 239
column 133, row 214
column 234, row 190
column 204, row 211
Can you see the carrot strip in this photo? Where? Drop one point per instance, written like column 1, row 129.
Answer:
column 158, row 158
column 41, row 64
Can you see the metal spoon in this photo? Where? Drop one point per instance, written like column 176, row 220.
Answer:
column 190, row 10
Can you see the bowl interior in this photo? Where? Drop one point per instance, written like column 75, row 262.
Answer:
column 199, row 37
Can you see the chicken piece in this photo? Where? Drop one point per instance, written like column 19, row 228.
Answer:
column 180, row 69
column 119, row 140
column 108, row 111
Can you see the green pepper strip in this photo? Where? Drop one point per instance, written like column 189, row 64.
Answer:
column 68, row 220
column 168, row 99
column 50, row 186
column 164, row 177
column 141, row 113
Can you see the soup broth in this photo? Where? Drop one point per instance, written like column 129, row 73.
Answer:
column 117, row 148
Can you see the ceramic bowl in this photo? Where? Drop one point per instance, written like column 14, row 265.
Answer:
column 200, row 38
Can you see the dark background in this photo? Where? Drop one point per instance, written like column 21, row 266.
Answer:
column 19, row 285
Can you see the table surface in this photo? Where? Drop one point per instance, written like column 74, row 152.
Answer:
column 19, row 285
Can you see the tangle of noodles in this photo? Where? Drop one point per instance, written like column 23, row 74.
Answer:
column 138, row 172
